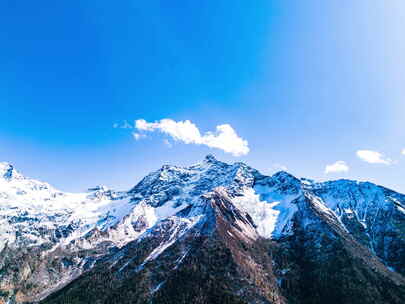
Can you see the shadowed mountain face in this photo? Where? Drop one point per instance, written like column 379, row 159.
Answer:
column 208, row 233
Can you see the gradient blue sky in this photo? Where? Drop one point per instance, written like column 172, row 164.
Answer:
column 306, row 83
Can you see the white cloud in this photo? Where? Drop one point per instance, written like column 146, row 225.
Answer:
column 339, row 166
column 224, row 138
column 403, row 152
column 373, row 157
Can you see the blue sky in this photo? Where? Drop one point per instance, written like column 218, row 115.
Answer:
column 306, row 84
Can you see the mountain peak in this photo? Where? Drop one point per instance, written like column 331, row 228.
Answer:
column 285, row 176
column 7, row 170
column 101, row 188
column 210, row 158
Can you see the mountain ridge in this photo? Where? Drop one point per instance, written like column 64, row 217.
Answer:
column 51, row 239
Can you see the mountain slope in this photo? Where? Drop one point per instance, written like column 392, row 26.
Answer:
column 321, row 262
column 202, row 233
column 217, row 260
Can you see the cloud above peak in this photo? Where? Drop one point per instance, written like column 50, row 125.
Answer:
column 224, row 138
column 373, row 157
column 337, row 167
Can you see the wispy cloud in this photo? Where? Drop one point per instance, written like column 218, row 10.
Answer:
column 373, row 157
column 403, row 152
column 124, row 125
column 337, row 167
column 224, row 137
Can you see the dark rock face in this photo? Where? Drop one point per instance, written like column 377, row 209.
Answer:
column 322, row 263
column 208, row 233
column 33, row 273
column 374, row 215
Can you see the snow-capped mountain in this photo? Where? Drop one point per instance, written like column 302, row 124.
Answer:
column 244, row 236
column 33, row 213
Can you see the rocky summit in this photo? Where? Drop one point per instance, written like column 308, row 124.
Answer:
column 209, row 233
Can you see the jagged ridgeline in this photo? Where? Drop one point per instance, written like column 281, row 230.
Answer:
column 209, row 233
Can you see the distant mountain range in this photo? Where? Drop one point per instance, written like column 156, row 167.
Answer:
column 209, row 233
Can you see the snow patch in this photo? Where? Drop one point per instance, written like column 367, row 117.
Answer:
column 270, row 217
